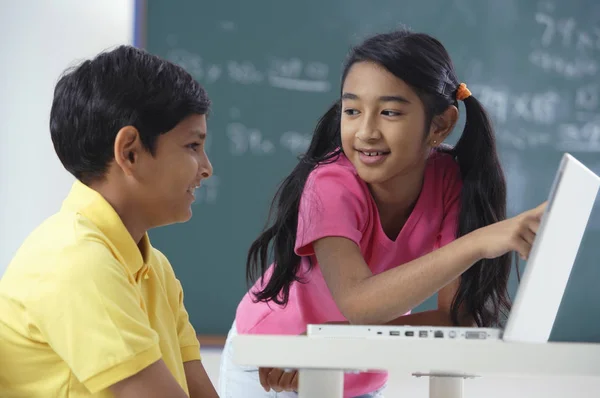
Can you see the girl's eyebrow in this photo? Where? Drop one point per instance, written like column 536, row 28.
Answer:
column 384, row 98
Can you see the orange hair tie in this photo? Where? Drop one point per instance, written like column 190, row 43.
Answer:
column 462, row 92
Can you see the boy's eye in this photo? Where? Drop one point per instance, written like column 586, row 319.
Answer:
column 194, row 146
column 391, row 113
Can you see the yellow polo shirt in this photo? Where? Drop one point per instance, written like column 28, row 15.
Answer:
column 83, row 307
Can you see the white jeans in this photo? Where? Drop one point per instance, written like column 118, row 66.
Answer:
column 237, row 381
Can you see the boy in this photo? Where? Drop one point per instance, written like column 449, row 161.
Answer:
column 88, row 308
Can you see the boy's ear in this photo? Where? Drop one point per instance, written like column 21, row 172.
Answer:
column 127, row 148
column 442, row 125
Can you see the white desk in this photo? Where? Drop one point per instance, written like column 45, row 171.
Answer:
column 322, row 360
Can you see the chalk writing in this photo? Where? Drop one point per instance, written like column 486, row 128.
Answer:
column 521, row 139
column 293, row 74
column 504, row 104
column 583, row 137
column 494, row 99
column 213, row 73
column 244, row 140
column 283, row 73
column 571, row 69
column 566, row 32
column 538, row 108
column 291, row 68
column 296, row 143
column 251, row 141
column 298, row 85
column 317, row 70
column 244, row 72
column 191, row 62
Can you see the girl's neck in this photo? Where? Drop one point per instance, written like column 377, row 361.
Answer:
column 395, row 200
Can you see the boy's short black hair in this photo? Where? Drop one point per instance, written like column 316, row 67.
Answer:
column 123, row 87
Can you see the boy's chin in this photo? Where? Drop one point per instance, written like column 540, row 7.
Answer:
column 182, row 217
column 186, row 216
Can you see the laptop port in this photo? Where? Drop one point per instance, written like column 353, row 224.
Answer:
column 476, row 335
column 423, row 333
column 394, row 333
column 409, row 333
column 438, row 334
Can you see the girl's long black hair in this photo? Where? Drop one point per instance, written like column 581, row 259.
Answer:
column 423, row 63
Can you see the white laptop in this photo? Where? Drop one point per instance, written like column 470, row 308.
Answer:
column 542, row 286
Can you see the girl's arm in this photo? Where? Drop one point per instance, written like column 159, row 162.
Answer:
column 438, row 317
column 364, row 298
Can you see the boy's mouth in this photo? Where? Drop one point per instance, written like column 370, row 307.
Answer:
column 192, row 190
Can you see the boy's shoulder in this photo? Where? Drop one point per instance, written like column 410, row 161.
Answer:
column 161, row 264
column 65, row 246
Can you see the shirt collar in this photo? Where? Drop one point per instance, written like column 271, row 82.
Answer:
column 89, row 203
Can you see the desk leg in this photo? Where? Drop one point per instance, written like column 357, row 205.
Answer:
column 315, row 383
column 445, row 387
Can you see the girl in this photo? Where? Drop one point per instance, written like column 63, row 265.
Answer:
column 378, row 215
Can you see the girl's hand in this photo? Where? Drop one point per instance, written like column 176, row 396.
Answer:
column 514, row 234
column 278, row 379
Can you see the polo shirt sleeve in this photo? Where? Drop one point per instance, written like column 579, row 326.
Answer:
column 92, row 315
column 188, row 341
column 332, row 204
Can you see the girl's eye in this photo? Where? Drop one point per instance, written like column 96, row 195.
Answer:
column 351, row 112
column 391, row 113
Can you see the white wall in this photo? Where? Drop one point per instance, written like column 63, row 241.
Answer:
column 39, row 39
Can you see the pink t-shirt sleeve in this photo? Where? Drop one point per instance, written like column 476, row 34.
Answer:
column 452, row 183
column 332, row 204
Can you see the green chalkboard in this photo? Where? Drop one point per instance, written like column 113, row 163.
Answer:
column 273, row 67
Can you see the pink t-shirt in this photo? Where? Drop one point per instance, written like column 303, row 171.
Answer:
column 336, row 202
